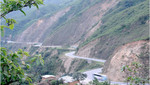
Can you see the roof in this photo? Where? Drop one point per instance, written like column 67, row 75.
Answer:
column 67, row 79
column 47, row 76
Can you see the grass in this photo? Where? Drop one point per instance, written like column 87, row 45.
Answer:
column 92, row 65
column 114, row 21
column 84, row 65
column 23, row 22
column 77, row 8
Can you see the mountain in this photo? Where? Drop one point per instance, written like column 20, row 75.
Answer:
column 32, row 15
column 68, row 26
column 97, row 26
column 75, row 30
column 103, row 29
column 128, row 21
column 86, row 22
column 129, row 54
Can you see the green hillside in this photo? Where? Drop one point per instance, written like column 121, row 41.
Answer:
column 69, row 24
column 32, row 15
column 127, row 22
column 121, row 17
column 77, row 8
column 46, row 11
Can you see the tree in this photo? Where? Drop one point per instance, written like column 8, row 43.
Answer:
column 79, row 76
column 12, row 66
column 96, row 82
column 8, row 6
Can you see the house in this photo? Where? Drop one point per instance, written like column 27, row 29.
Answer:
column 73, row 83
column 69, row 80
column 48, row 77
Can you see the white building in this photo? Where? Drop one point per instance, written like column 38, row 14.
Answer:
column 48, row 77
column 67, row 79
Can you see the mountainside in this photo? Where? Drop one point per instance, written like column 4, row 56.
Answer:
column 33, row 15
column 56, row 63
column 113, row 30
column 83, row 22
column 68, row 26
column 87, row 18
column 127, row 55
column 40, row 28
column 97, row 26
column 126, row 22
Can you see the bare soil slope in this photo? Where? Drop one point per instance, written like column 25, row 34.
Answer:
column 125, row 55
column 81, row 26
column 38, row 30
column 123, row 26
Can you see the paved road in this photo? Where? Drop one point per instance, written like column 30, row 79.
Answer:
column 90, row 73
column 35, row 44
column 71, row 54
column 16, row 42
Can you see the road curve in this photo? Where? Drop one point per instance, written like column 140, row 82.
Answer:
column 90, row 72
column 72, row 55
column 93, row 71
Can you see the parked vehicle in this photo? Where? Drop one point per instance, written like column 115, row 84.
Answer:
column 100, row 77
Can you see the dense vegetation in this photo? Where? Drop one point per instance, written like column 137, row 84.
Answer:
column 13, row 67
column 52, row 61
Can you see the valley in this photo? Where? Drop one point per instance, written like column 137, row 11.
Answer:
column 71, row 55
column 107, row 40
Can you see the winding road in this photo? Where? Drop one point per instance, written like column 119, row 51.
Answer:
column 35, row 44
column 71, row 54
column 90, row 73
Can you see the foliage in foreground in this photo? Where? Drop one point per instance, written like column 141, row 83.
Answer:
column 13, row 67
column 96, row 82
column 134, row 75
column 8, row 6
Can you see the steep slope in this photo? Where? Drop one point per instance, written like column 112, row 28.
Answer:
column 68, row 26
column 126, row 55
column 37, row 30
column 56, row 63
column 80, row 26
column 33, row 15
column 126, row 22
